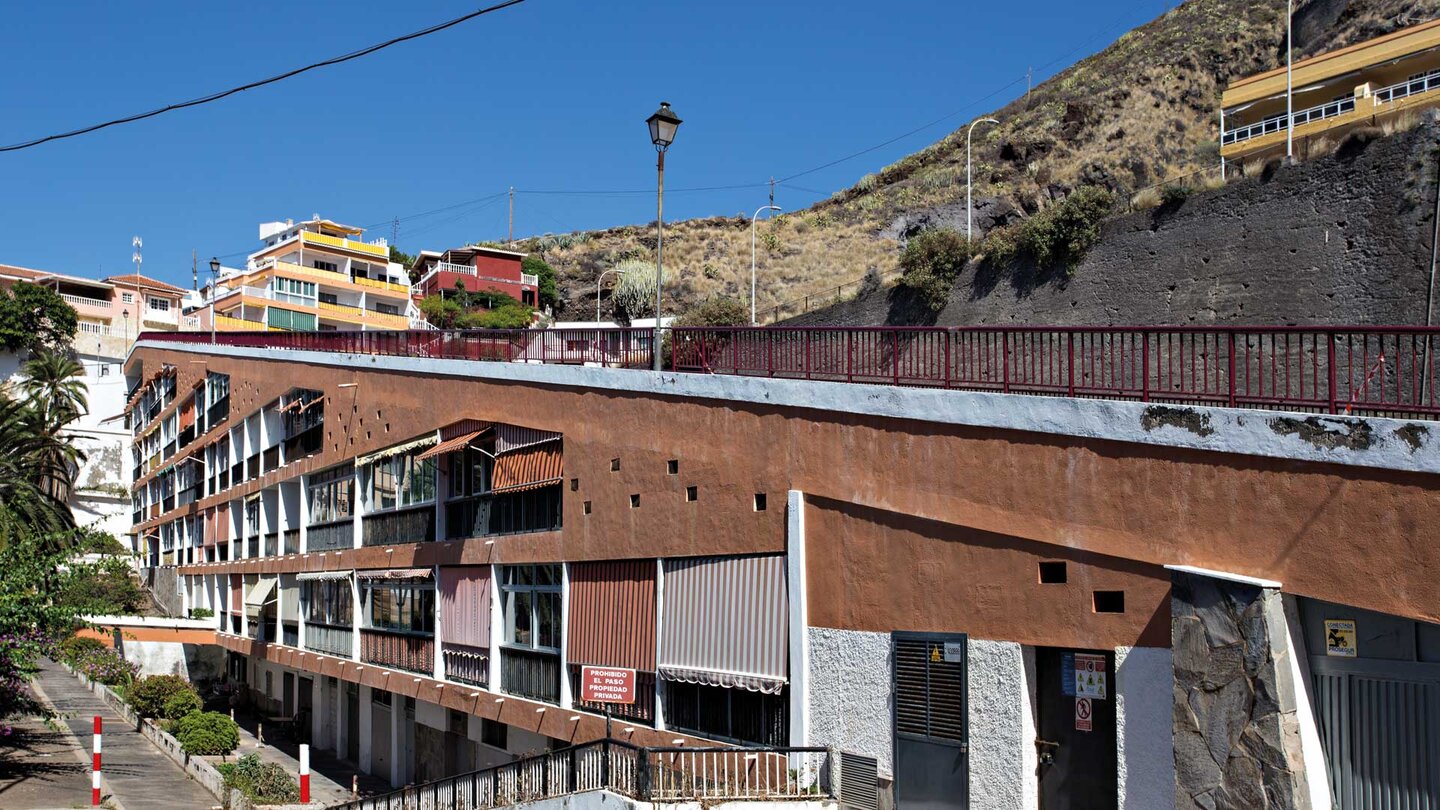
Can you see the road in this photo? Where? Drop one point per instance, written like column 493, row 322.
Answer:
column 54, row 772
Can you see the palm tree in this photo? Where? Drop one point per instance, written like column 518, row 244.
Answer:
column 52, row 384
column 36, row 470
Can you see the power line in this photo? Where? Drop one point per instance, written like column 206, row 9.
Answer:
column 195, row 102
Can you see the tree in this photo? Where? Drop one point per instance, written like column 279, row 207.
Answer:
column 549, row 294
column 35, row 465
column 105, row 588
column 52, row 384
column 35, row 318
column 31, row 621
column 717, row 310
column 634, row 294
column 401, row 258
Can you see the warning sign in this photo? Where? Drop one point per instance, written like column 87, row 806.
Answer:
column 607, row 685
column 954, row 652
column 1340, row 638
column 1083, row 710
column 1089, row 676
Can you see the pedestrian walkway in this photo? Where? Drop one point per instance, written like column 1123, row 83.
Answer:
column 136, row 774
column 330, row 777
column 42, row 767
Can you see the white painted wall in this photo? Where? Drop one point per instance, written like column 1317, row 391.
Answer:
column 1002, row 728
column 190, row 661
column 1145, row 742
column 850, row 685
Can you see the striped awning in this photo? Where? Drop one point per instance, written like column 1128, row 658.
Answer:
column 289, row 598
column 424, row 441
column 321, row 576
column 465, row 605
column 464, row 426
column 451, row 445
column 724, row 623
column 612, row 614
column 262, row 593
column 531, row 468
column 509, row 438
column 395, row 574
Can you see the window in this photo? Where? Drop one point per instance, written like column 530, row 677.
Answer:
column 295, row 292
column 401, row 607
column 530, row 601
column 387, row 309
column 160, row 304
column 320, row 265
column 692, row 494
column 127, row 298
column 1109, row 601
column 252, row 517
column 672, row 467
column 329, row 298
column 327, row 602
column 469, row 473
column 1052, row 573
column 729, row 714
column 287, row 319
column 493, row 733
column 332, row 496
column 760, row 502
column 398, row 482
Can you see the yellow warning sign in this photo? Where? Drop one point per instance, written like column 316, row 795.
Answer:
column 1340, row 638
column 935, row 654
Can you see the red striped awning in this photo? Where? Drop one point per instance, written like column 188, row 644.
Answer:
column 509, row 438
column 454, row 445
column 534, row 467
column 465, row 605
column 464, row 426
column 725, row 621
column 187, row 413
column 612, row 614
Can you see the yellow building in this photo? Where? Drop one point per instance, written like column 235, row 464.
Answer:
column 1365, row 84
column 316, row 275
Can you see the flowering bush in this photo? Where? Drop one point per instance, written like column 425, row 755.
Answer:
column 74, row 648
column 108, row 667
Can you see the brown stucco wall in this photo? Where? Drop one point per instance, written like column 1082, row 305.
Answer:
column 1354, row 535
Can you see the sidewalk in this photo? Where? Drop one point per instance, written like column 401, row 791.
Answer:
column 134, row 772
column 42, row 767
column 329, row 775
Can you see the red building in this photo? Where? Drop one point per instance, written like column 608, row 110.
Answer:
column 479, row 269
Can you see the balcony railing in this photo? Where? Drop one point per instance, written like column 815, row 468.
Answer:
column 530, row 673
column 292, row 541
column 86, row 301
column 413, row 525
column 100, row 330
column 379, row 247
column 1409, row 87
column 466, row 664
column 272, row 544
column 329, row 536
column 1329, row 109
column 329, row 639
column 412, row 653
column 1379, row 370
column 290, row 634
column 536, row 510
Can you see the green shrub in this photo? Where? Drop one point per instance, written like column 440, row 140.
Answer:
column 549, row 293
column 75, row 648
column 106, row 666
column 182, row 703
column 206, row 733
column 261, row 782
column 1062, row 233
column 201, row 613
column 717, row 310
column 509, row 316
column 1174, row 193
column 930, row 264
column 149, row 697
column 634, row 292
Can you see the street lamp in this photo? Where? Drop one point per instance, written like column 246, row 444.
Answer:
column 214, row 284
column 598, row 282
column 752, row 256
column 971, row 131
column 663, row 124
column 1289, row 86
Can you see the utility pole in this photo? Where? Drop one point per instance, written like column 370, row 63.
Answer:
column 510, row 231
column 394, row 232
column 772, row 191
column 1029, row 74
column 194, row 271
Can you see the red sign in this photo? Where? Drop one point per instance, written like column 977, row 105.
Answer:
column 607, row 685
column 1082, row 714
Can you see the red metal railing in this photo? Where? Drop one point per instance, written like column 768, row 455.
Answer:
column 1387, row 371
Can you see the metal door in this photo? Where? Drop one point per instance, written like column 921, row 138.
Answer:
column 287, row 695
column 352, row 722
column 1380, row 728
column 1077, row 750
column 931, row 721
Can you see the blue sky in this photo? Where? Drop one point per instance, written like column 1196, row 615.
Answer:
column 550, row 95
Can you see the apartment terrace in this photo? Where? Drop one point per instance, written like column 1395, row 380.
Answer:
column 1342, row 370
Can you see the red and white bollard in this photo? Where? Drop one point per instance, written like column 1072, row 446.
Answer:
column 95, row 767
column 304, row 773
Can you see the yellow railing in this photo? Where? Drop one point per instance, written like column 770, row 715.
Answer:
column 365, row 315
column 225, row 323
column 383, row 285
column 310, row 237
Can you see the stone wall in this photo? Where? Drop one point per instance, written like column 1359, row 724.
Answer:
column 850, row 693
column 1344, row 239
column 1237, row 736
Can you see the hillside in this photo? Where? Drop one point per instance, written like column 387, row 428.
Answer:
column 1139, row 113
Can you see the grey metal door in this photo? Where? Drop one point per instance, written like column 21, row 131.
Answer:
column 1380, row 728
column 931, row 721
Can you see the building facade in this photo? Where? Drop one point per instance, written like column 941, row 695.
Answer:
column 1007, row 602
column 311, row 276
column 477, row 269
column 1371, row 83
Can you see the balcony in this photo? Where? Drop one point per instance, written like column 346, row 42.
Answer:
column 387, row 286
column 465, row 664
column 412, row 653
column 292, row 541
column 366, row 316
column 535, row 510
column 530, row 674
column 329, row 639
column 100, row 329
column 87, row 306
column 329, row 536
column 379, row 248
column 530, row 278
column 290, row 634
column 272, row 544
column 412, row 525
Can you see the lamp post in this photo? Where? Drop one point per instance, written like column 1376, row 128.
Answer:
column 752, row 256
column 968, row 133
column 1289, row 85
column 663, row 124
column 598, row 282
column 214, row 284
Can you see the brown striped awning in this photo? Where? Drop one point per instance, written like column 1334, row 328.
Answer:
column 725, row 621
column 531, row 468
column 454, row 445
column 465, row 605
column 612, row 614
column 509, row 438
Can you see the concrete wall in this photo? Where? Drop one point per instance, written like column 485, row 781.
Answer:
column 1333, row 240
column 1002, row 727
column 1143, row 709
column 850, row 692
column 190, row 661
